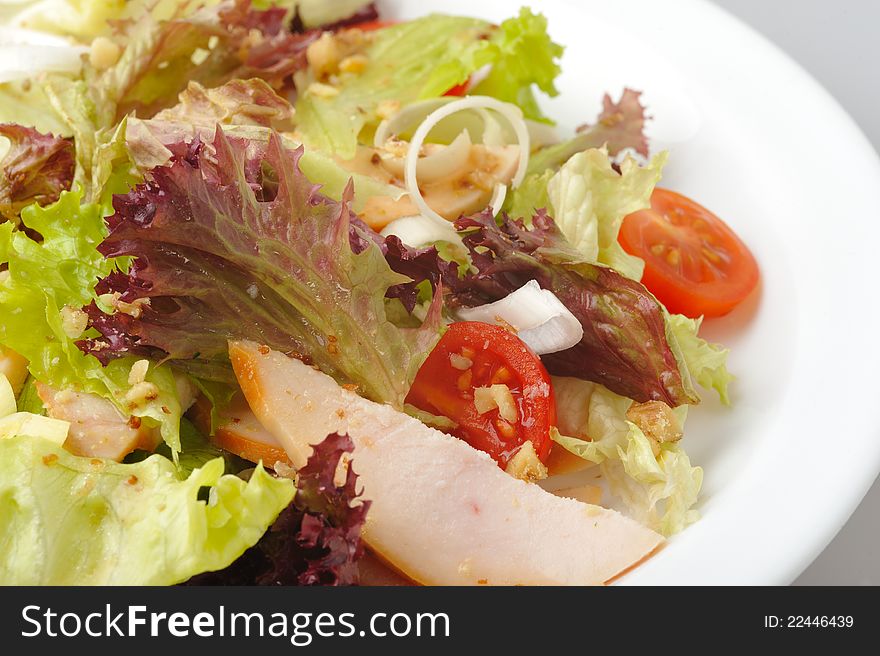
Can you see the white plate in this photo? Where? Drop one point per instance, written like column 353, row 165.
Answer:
column 758, row 141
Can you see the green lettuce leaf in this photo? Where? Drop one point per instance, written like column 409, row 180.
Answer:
column 102, row 157
column 83, row 19
column 54, row 277
column 522, row 55
column 706, row 362
column 67, row 520
column 27, row 104
column 530, row 197
column 29, row 400
column 589, row 199
column 423, row 59
column 658, row 490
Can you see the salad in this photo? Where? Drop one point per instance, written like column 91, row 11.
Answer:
column 294, row 293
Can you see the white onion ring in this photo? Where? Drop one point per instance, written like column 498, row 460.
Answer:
column 439, row 165
column 498, row 196
column 405, row 118
column 511, row 112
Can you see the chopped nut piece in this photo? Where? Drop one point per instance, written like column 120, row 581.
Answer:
column 284, row 470
column 138, row 373
column 104, row 53
column 496, row 396
column 322, row 90
column 353, row 64
column 141, row 394
column 657, row 421
column 525, row 465
column 323, row 55
column 133, row 309
column 341, row 473
column 73, row 321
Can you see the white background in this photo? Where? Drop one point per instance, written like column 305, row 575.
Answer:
column 837, row 43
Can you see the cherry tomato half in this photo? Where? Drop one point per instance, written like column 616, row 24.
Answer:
column 470, row 355
column 694, row 263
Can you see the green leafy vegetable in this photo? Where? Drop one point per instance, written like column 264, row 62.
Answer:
column 48, row 281
column 232, row 241
column 36, row 169
column 522, row 54
column 659, row 489
column 69, row 520
column 619, row 127
column 423, row 59
column 589, row 199
column 248, row 109
column 316, row 540
column 624, row 346
column 706, row 362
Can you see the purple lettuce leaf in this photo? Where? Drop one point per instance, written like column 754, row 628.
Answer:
column 316, row 540
column 418, row 264
column 620, row 126
column 231, row 241
column 159, row 57
column 624, row 345
column 36, row 169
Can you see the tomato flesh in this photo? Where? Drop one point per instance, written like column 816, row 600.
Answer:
column 372, row 25
column 472, row 354
column 694, row 263
column 459, row 89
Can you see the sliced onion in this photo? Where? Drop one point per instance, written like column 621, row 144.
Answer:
column 441, row 164
column 417, row 231
column 406, row 118
column 22, row 61
column 498, row 197
column 539, row 318
column 493, row 132
column 511, row 112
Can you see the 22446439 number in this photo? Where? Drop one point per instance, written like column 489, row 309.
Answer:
column 808, row 621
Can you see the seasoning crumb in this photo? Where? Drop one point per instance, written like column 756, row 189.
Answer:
column 132, row 480
column 50, row 458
